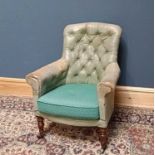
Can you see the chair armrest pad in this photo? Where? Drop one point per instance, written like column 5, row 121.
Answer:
column 48, row 77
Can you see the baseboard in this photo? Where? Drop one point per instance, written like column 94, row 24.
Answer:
column 14, row 86
column 124, row 95
column 134, row 96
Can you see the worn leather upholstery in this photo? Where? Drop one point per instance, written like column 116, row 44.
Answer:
column 89, row 56
column 90, row 48
column 48, row 77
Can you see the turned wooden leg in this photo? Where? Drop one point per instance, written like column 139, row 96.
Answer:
column 40, row 121
column 103, row 136
column 47, row 129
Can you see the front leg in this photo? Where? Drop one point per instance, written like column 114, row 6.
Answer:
column 40, row 121
column 103, row 136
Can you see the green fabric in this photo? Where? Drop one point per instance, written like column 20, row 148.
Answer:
column 71, row 100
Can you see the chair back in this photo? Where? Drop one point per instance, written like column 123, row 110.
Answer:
column 89, row 48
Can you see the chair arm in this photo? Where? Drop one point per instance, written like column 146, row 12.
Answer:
column 105, row 91
column 111, row 75
column 48, row 77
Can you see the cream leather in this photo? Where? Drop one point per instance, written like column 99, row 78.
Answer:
column 48, row 77
column 89, row 56
column 90, row 48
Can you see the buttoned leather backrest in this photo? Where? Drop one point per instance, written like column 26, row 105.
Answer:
column 89, row 48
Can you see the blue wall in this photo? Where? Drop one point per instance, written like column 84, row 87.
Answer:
column 31, row 34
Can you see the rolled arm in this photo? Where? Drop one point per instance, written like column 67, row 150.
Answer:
column 111, row 75
column 48, row 77
column 106, row 89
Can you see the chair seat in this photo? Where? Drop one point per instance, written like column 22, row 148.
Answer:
column 71, row 100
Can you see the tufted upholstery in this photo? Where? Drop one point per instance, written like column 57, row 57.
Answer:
column 89, row 56
column 79, row 88
column 89, row 49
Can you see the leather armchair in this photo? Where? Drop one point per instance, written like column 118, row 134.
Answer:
column 89, row 65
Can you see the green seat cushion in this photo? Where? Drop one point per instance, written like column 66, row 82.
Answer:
column 71, row 100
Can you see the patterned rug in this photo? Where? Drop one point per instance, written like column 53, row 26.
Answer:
column 131, row 133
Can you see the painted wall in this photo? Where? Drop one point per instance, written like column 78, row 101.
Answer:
column 31, row 34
